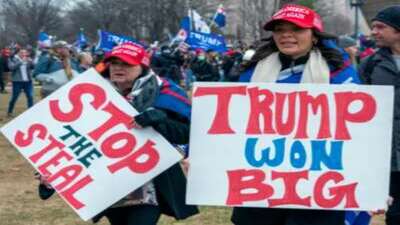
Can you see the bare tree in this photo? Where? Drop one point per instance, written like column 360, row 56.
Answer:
column 253, row 15
column 141, row 19
column 24, row 19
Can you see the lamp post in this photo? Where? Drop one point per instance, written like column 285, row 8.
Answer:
column 357, row 5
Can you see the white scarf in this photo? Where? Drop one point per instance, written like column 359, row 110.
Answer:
column 316, row 69
column 23, row 69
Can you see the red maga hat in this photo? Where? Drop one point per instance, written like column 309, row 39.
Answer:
column 130, row 53
column 300, row 15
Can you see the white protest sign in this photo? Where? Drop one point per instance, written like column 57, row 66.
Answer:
column 82, row 137
column 290, row 145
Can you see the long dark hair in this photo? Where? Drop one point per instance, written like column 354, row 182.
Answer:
column 332, row 55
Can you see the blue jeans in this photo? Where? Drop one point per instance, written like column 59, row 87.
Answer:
column 17, row 87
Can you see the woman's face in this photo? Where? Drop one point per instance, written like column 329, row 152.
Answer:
column 292, row 40
column 123, row 73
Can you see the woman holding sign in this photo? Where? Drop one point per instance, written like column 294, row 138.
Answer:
column 298, row 52
column 163, row 106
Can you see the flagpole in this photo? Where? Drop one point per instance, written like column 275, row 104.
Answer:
column 190, row 11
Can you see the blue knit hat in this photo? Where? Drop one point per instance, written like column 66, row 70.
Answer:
column 389, row 16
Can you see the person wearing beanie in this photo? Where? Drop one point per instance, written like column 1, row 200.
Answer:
column 350, row 46
column 383, row 68
column 389, row 16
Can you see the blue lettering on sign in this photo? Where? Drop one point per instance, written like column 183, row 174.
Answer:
column 265, row 153
column 297, row 154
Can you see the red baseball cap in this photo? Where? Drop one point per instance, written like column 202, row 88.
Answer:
column 300, row 15
column 6, row 52
column 130, row 53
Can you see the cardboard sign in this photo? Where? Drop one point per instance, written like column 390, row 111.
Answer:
column 290, row 145
column 82, row 137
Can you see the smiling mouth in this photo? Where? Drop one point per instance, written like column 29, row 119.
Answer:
column 118, row 75
column 287, row 44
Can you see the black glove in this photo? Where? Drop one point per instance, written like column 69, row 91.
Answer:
column 150, row 117
column 45, row 192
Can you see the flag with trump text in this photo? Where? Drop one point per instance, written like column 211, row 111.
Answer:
column 82, row 138
column 107, row 40
column 205, row 41
column 301, row 146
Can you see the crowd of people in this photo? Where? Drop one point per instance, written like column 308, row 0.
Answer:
column 298, row 51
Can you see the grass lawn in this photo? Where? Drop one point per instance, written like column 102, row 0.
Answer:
column 20, row 204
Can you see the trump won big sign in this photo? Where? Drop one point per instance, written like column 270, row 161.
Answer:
column 290, row 145
column 82, row 138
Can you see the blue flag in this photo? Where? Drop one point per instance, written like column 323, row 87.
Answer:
column 183, row 31
column 107, row 40
column 357, row 218
column 81, row 41
column 220, row 17
column 44, row 40
column 185, row 23
column 206, row 41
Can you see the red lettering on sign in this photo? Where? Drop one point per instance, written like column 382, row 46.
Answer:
column 109, row 149
column 285, row 128
column 75, row 98
column 68, row 174
column 69, row 193
column 117, row 117
column 54, row 144
column 54, row 161
column 343, row 101
column 337, row 193
column 290, row 196
column 319, row 103
column 241, row 180
column 35, row 129
column 220, row 124
column 260, row 108
column 132, row 161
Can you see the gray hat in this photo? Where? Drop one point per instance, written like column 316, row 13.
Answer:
column 60, row 44
column 346, row 41
column 389, row 16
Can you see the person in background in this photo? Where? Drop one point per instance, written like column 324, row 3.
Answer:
column 4, row 70
column 350, row 46
column 367, row 47
column 56, row 68
column 231, row 61
column 202, row 69
column 85, row 61
column 299, row 51
column 383, row 68
column 21, row 66
column 167, row 64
